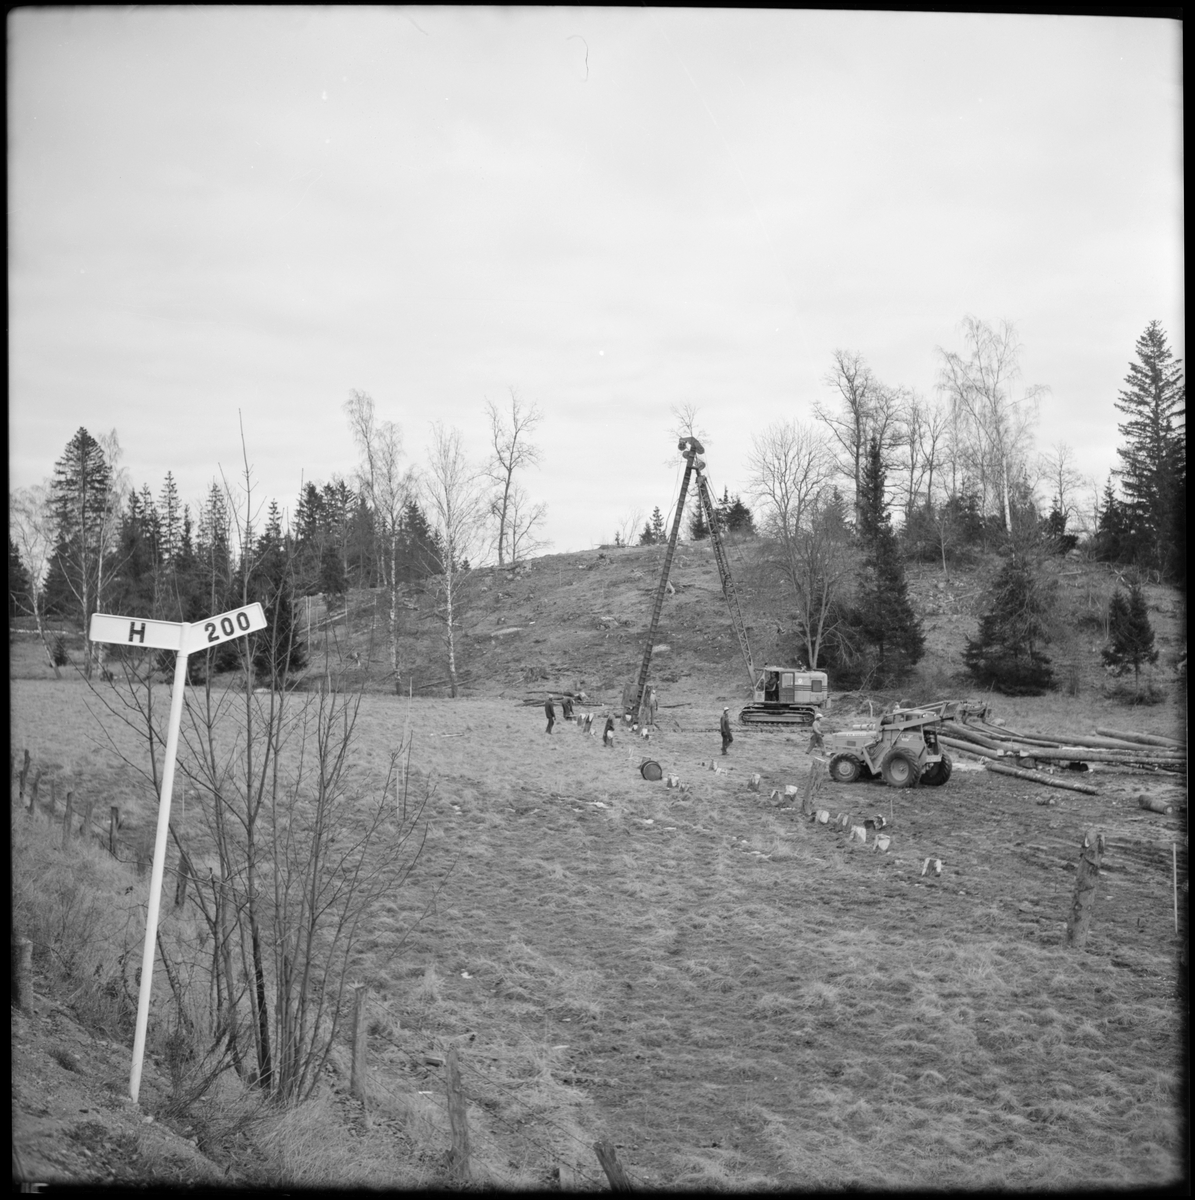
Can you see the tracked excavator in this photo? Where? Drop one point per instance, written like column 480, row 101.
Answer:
column 784, row 696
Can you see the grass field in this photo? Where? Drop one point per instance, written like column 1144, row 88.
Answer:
column 734, row 996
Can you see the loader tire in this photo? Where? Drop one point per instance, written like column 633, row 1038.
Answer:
column 938, row 773
column 844, row 768
column 900, row 770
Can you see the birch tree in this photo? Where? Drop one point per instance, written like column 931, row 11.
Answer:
column 31, row 525
column 993, row 424
column 456, row 507
column 386, row 486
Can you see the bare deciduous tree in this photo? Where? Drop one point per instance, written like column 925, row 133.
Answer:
column 456, row 507
column 510, row 450
column 791, row 467
column 1065, row 481
column 387, row 487
column 868, row 409
column 31, row 526
column 992, row 425
column 525, row 520
column 919, row 449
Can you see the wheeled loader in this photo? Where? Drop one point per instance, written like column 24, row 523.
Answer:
column 901, row 746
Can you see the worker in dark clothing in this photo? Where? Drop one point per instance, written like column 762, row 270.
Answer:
column 566, row 708
column 550, row 710
column 727, row 736
column 608, row 733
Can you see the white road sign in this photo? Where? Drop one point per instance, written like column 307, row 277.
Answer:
column 137, row 631
column 235, row 623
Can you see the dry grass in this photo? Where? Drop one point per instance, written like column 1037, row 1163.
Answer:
column 736, row 997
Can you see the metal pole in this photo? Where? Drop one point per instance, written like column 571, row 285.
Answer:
column 159, row 869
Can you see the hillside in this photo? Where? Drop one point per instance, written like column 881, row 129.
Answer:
column 578, row 622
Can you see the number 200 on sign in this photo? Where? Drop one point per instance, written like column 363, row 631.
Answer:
column 226, row 627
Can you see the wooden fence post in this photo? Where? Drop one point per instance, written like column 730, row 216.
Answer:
column 360, row 1040
column 22, row 776
column 458, row 1156
column 113, row 826
column 22, row 974
column 67, row 818
column 33, row 790
column 53, row 799
column 613, row 1168
column 1079, row 921
column 85, row 826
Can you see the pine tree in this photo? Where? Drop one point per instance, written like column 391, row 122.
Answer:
column 1113, row 536
column 884, row 616
column 1006, row 653
column 1151, row 450
column 1131, row 636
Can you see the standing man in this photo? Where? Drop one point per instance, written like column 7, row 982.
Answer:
column 652, row 705
column 727, row 736
column 608, row 733
column 550, row 710
column 566, row 708
column 815, row 738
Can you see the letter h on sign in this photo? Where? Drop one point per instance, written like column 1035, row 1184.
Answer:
column 139, row 634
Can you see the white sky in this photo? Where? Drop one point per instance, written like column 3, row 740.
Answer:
column 615, row 212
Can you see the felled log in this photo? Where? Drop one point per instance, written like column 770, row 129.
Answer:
column 1145, row 739
column 1038, row 777
column 970, row 747
column 967, row 734
column 1096, row 743
column 1152, row 804
column 1084, row 754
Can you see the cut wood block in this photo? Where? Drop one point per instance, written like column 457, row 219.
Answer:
column 822, row 816
column 754, row 782
column 858, row 833
column 1152, row 804
column 673, row 781
column 790, row 791
column 882, row 842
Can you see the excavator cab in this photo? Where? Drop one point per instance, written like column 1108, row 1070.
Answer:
column 788, row 696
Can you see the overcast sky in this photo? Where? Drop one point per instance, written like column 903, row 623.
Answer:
column 216, row 211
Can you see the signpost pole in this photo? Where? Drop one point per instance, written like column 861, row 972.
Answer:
column 159, row 868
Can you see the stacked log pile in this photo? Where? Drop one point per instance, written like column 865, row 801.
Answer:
column 1008, row 752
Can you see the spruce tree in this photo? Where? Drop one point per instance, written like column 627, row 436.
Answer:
column 1006, row 652
column 658, row 534
column 81, row 492
column 1151, row 450
column 1131, row 636
column 698, row 529
column 884, row 616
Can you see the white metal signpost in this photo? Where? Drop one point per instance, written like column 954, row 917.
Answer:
column 183, row 638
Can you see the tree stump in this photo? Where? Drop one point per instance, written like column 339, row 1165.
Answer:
column 360, row 1041
column 1078, row 924
column 754, row 782
column 613, row 1168
column 458, row 1155
column 21, row 964
column 67, row 818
